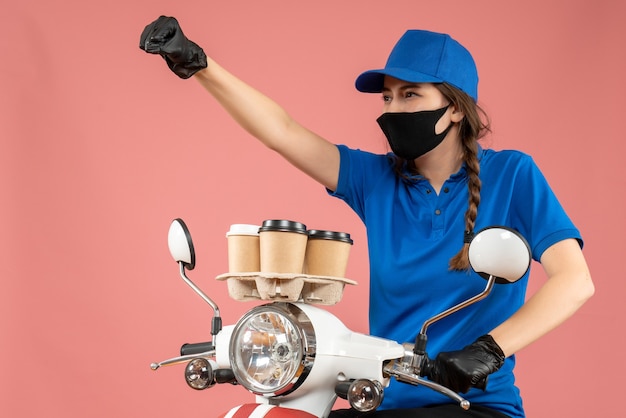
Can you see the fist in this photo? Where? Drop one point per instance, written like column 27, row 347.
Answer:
column 165, row 37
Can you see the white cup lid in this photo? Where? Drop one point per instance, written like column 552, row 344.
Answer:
column 243, row 229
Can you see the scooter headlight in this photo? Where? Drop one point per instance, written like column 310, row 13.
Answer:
column 272, row 349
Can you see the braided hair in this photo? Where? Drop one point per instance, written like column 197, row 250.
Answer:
column 472, row 128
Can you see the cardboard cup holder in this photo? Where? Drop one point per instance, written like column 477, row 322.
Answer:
column 282, row 260
column 286, row 287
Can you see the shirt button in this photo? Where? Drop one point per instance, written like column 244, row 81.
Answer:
column 437, row 212
column 446, row 190
column 428, row 191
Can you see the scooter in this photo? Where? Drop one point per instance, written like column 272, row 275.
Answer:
column 297, row 358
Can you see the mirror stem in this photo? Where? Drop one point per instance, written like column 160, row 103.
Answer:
column 470, row 301
column 420, row 342
column 216, row 324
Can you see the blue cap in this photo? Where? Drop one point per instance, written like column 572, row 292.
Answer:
column 425, row 57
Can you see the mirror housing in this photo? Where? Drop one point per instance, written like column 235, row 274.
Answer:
column 500, row 252
column 180, row 244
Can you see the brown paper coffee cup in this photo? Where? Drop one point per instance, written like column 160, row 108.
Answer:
column 327, row 253
column 243, row 248
column 282, row 246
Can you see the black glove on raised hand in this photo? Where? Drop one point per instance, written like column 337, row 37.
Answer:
column 165, row 37
column 460, row 370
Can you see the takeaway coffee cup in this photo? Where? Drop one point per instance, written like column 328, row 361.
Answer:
column 327, row 253
column 243, row 248
column 282, row 244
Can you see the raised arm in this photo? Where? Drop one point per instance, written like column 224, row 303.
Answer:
column 255, row 112
column 271, row 124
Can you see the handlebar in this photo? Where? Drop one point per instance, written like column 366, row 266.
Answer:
column 196, row 348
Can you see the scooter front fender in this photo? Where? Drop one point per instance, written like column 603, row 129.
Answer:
column 268, row 411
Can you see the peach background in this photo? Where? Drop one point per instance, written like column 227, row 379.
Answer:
column 102, row 146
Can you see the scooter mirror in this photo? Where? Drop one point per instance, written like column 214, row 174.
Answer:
column 500, row 252
column 180, row 244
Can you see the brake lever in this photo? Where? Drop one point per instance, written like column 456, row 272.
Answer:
column 402, row 374
column 181, row 359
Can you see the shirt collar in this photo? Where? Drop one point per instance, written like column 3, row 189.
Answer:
column 410, row 177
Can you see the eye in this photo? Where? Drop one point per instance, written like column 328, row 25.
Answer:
column 410, row 94
column 386, row 98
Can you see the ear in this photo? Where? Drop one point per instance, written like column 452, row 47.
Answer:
column 456, row 115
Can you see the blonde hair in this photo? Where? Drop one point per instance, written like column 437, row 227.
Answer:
column 474, row 126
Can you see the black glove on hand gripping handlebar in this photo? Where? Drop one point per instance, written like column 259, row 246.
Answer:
column 460, row 370
column 165, row 37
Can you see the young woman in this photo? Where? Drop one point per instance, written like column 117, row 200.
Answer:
column 421, row 205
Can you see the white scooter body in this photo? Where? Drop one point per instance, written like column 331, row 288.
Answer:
column 340, row 354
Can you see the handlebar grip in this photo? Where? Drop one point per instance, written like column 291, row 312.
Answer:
column 195, row 348
column 426, row 367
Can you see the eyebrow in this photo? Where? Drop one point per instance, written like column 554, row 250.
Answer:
column 406, row 86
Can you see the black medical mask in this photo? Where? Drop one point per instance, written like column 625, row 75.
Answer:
column 412, row 135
